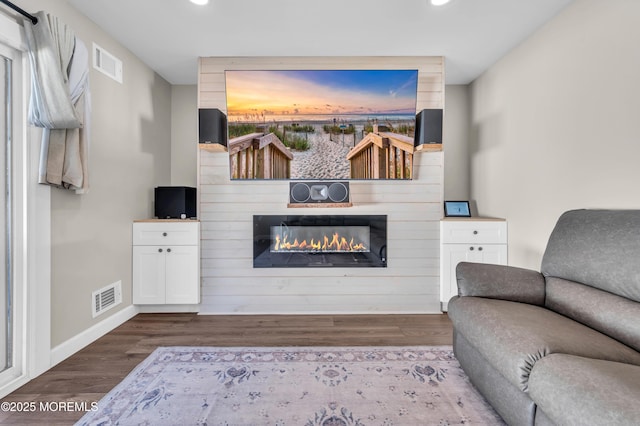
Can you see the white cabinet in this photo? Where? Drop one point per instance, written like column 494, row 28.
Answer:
column 166, row 262
column 481, row 240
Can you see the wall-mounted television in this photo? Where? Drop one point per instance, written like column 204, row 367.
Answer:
column 321, row 124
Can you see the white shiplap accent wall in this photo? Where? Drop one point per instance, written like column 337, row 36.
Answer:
column 409, row 284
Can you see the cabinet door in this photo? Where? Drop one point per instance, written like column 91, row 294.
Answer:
column 452, row 254
column 148, row 275
column 182, row 283
column 491, row 253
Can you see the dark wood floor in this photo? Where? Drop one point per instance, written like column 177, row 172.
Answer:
column 89, row 374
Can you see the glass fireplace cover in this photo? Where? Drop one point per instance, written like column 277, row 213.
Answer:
column 299, row 241
column 320, row 239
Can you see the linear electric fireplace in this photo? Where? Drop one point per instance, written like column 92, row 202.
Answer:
column 288, row 241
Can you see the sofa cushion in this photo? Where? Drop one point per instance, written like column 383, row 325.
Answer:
column 599, row 248
column 577, row 391
column 514, row 336
column 608, row 313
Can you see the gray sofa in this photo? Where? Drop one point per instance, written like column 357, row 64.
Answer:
column 560, row 346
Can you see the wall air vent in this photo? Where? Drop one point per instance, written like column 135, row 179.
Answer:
column 106, row 298
column 106, row 63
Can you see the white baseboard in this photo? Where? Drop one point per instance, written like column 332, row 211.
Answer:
column 73, row 345
column 148, row 309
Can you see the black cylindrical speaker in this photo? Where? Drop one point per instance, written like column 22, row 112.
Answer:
column 428, row 127
column 212, row 126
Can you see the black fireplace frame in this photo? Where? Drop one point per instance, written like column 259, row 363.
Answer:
column 376, row 257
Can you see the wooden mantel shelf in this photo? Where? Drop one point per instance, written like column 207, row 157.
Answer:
column 212, row 147
column 429, row 147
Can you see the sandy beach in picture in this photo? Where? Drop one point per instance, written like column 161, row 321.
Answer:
column 318, row 116
column 325, row 159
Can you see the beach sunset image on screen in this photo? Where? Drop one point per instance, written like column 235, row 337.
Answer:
column 314, row 121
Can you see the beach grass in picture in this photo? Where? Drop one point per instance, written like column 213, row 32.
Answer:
column 321, row 124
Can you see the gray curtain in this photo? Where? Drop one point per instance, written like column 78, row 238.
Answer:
column 60, row 101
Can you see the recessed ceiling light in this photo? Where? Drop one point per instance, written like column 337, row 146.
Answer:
column 436, row 2
column 200, row 2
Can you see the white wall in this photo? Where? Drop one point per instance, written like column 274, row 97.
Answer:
column 410, row 283
column 184, row 135
column 456, row 142
column 555, row 124
column 129, row 155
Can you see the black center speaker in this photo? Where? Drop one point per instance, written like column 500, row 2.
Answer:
column 318, row 192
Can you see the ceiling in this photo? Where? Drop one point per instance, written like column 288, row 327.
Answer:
column 169, row 35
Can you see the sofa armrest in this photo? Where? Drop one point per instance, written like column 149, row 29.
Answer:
column 500, row 282
column 576, row 390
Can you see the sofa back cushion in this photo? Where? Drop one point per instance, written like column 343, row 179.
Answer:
column 610, row 314
column 598, row 248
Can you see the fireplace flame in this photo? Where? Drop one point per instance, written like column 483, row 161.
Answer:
column 336, row 244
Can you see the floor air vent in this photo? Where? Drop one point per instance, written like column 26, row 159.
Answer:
column 106, row 298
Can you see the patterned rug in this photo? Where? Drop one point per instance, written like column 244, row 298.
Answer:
column 309, row 386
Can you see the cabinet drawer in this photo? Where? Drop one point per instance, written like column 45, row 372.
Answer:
column 474, row 232
column 168, row 233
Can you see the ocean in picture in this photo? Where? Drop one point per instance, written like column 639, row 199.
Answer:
column 318, row 116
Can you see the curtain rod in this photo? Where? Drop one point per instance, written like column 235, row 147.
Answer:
column 33, row 19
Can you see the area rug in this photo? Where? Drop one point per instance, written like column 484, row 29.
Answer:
column 310, row 386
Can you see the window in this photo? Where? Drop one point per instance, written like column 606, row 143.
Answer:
column 6, row 314
column 9, row 297
column 25, row 215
